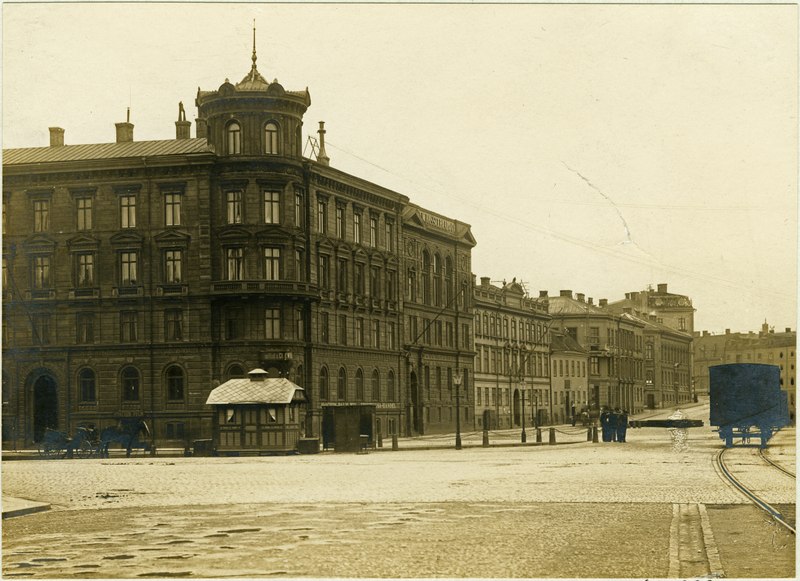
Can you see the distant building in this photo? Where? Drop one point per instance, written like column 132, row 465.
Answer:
column 766, row 346
column 672, row 310
column 512, row 353
column 569, row 380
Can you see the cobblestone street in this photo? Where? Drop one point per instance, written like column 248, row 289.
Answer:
column 577, row 510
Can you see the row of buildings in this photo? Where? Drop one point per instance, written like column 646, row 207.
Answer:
column 139, row 275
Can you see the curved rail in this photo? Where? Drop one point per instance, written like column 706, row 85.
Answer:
column 775, row 465
column 749, row 494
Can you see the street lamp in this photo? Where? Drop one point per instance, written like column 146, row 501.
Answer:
column 536, row 408
column 523, row 435
column 457, row 383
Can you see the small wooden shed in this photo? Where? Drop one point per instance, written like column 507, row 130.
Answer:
column 257, row 414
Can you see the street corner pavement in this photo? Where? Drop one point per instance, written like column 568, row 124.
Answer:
column 13, row 506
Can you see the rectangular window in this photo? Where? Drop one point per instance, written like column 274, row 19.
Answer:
column 127, row 211
column 389, row 236
column 342, row 329
column 376, row 334
column 173, row 325
column 85, row 274
column 129, row 326
column 234, row 324
column 298, row 210
column 426, row 330
column 373, row 231
column 233, row 202
column 322, row 216
column 235, row 263
column 594, row 366
column 357, row 228
column 41, row 215
column 299, row 265
column 172, row 209
column 84, row 209
column 391, row 335
column 84, row 326
column 324, row 272
column 272, row 324
column 465, row 338
column 172, row 266
column 438, row 333
column 359, row 332
column 272, row 264
column 41, row 329
column 128, row 268
column 391, row 284
column 339, row 222
column 272, row 207
column 325, row 328
column 450, row 335
column 341, row 273
column 300, row 320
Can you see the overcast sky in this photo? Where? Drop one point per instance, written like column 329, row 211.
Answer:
column 594, row 148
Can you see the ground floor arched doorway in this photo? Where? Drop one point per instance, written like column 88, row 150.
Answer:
column 45, row 406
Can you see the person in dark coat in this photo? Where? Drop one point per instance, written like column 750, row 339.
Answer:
column 622, row 425
column 612, row 425
column 604, row 424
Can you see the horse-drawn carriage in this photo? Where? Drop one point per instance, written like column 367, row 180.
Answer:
column 88, row 442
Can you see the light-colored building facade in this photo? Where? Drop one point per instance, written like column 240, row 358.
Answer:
column 569, row 379
column 512, row 349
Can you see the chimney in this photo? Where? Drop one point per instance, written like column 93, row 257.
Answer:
column 542, row 294
column 581, row 297
column 788, row 330
column 485, row 281
column 201, row 127
column 627, row 296
column 257, row 374
column 603, row 302
column 662, row 287
column 590, row 300
column 635, row 296
column 125, row 130
column 727, row 331
column 56, row 137
column 626, row 310
column 182, row 126
column 322, row 157
column 706, row 334
column 566, row 293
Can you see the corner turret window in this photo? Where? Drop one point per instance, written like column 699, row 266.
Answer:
column 271, row 138
column 234, row 138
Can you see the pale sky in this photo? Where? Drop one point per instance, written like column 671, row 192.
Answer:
column 596, row 148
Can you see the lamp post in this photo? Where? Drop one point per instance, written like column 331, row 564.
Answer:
column 536, row 408
column 457, row 383
column 523, row 436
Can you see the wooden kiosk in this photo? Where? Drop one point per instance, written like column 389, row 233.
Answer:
column 257, row 415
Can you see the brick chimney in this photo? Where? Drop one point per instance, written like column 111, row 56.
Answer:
column 581, row 297
column 182, row 126
column 566, row 293
column 56, row 136
column 662, row 287
column 125, row 130
column 485, row 281
column 603, row 302
column 590, row 300
column 322, row 156
column 542, row 294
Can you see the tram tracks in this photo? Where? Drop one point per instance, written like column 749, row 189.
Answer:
column 726, row 474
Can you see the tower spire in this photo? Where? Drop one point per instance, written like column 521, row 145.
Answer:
column 254, row 44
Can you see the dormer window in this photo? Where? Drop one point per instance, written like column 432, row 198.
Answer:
column 234, row 138
column 271, row 138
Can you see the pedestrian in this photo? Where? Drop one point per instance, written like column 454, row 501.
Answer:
column 612, row 424
column 573, row 416
column 622, row 425
column 604, row 423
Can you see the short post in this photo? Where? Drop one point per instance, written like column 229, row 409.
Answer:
column 552, row 436
column 589, row 434
column 485, row 438
column 394, row 442
column 594, row 434
column 538, row 435
column 380, row 440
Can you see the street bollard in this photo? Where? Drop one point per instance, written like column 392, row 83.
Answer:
column 380, row 441
column 552, row 436
column 589, row 434
column 594, row 434
column 485, row 438
column 394, row 442
column 538, row 435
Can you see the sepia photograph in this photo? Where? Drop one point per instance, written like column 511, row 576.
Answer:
column 399, row 290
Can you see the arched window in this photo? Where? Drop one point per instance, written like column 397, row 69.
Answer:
column 341, row 385
column 175, row 381
column 359, row 385
column 130, row 384
column 376, row 385
column 437, row 279
column 411, row 293
column 390, row 395
column 324, row 393
column 426, row 278
column 448, row 280
column 271, row 138
column 299, row 379
column 235, row 371
column 86, row 384
column 234, row 132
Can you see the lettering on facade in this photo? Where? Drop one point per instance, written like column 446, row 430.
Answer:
column 380, row 406
column 437, row 222
column 276, row 355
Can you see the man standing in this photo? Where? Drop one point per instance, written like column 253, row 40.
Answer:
column 622, row 425
column 604, row 423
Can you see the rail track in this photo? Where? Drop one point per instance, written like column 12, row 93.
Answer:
column 726, row 475
column 775, row 465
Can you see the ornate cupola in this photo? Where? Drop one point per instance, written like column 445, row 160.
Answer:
column 254, row 117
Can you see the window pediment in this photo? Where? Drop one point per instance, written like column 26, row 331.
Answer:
column 274, row 232
column 39, row 243
column 83, row 242
column 235, row 233
column 127, row 239
column 172, row 237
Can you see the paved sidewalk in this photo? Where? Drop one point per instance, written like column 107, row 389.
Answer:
column 13, row 506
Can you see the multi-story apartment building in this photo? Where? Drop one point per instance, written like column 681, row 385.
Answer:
column 137, row 276
column 614, row 342
column 569, row 380
column 672, row 310
column 512, row 349
column 766, row 347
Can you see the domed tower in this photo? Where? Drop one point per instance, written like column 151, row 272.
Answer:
column 253, row 117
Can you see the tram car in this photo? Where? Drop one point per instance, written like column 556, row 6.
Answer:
column 747, row 402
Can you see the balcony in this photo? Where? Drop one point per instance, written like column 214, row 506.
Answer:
column 127, row 291
column 265, row 287
column 41, row 293
column 176, row 289
column 85, row 293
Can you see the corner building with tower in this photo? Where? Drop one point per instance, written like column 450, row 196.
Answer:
column 138, row 276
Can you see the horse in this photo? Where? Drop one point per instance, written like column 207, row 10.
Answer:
column 126, row 433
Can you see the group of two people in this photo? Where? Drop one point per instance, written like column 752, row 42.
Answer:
column 614, row 424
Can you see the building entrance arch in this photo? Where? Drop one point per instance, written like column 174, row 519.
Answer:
column 45, row 406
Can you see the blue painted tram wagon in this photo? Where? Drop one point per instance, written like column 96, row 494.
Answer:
column 747, row 401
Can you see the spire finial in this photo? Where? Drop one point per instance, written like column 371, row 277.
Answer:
column 254, row 44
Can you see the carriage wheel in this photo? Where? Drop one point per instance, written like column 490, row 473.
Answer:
column 49, row 451
column 84, row 450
